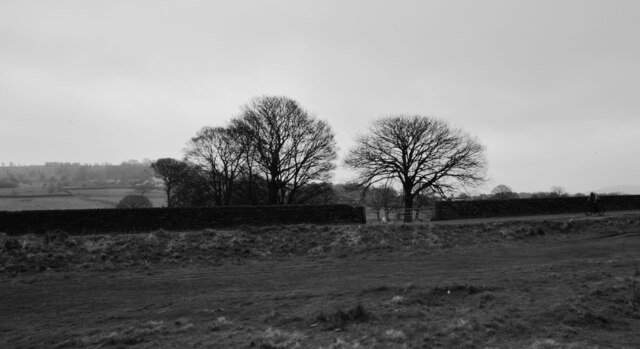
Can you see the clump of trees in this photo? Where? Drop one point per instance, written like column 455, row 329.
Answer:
column 274, row 152
column 288, row 146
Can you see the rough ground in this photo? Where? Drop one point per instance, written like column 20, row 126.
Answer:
column 543, row 284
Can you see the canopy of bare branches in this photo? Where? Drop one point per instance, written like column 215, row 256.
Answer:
column 420, row 153
column 218, row 151
column 290, row 147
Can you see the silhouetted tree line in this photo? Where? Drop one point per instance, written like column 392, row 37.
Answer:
column 504, row 192
column 275, row 152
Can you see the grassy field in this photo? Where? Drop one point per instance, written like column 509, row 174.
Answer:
column 79, row 199
column 25, row 189
column 538, row 284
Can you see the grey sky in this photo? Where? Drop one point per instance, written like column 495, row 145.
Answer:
column 550, row 87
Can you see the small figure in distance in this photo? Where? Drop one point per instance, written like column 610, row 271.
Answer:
column 593, row 200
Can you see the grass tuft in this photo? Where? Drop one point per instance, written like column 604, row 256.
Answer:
column 280, row 339
column 341, row 319
column 395, row 335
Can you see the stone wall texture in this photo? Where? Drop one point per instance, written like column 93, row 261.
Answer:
column 446, row 210
column 149, row 219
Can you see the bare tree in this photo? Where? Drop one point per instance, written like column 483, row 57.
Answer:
column 171, row 172
column 219, row 153
column 348, row 193
column 316, row 193
column 420, row 153
column 251, row 188
column 291, row 148
column 557, row 192
column 503, row 192
column 381, row 198
column 193, row 189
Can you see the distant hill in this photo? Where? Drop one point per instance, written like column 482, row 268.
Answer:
column 624, row 189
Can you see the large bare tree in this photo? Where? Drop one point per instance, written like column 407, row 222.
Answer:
column 420, row 153
column 219, row 152
column 291, row 147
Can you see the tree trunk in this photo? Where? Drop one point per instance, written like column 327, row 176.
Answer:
column 408, row 206
column 227, row 193
column 252, row 190
column 168, row 190
column 273, row 192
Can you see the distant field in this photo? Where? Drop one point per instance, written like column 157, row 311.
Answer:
column 111, row 197
column 80, row 199
column 26, row 190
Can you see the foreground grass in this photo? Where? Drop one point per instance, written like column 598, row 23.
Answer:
column 573, row 285
column 161, row 249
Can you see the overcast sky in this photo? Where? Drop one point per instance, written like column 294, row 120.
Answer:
column 549, row 87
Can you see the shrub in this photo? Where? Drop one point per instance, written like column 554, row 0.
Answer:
column 9, row 182
column 134, row 201
column 56, row 237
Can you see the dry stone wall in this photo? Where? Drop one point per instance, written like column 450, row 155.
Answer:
column 149, row 219
column 446, row 210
